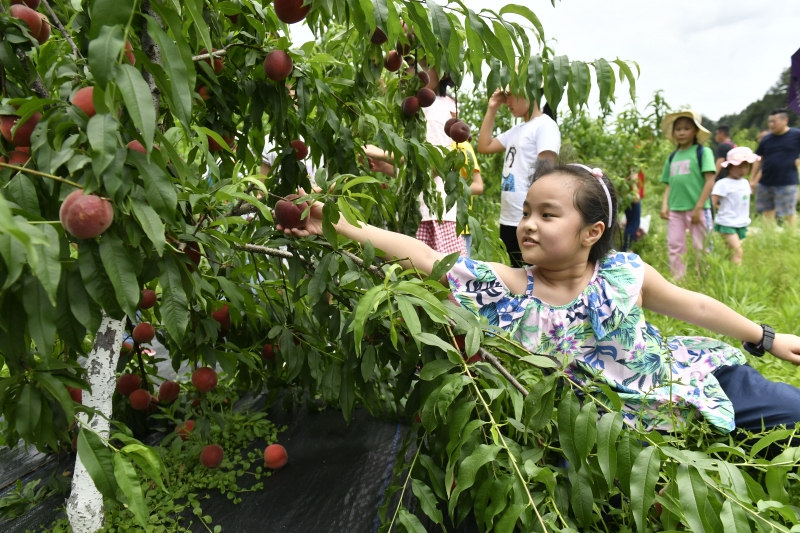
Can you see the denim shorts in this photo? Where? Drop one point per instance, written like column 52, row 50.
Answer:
column 781, row 199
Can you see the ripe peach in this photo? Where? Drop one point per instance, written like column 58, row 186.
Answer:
column 137, row 146
column 185, row 430
column 449, row 125
column 378, row 36
column 127, row 383
column 459, row 132
column 75, row 394
column 192, row 251
column 222, row 316
column 290, row 11
column 275, row 456
column 85, row 216
column 143, row 333
column 426, row 97
column 28, row 16
column 140, row 399
column 212, row 455
column 18, row 157
column 148, row 299
column 214, row 146
column 217, row 66
column 129, row 53
column 393, row 61
column 21, row 137
column 168, row 392
column 203, row 92
column 44, row 32
column 204, row 379
column 82, row 99
column 424, row 77
column 278, row 65
column 33, row 4
column 410, row 106
column 288, row 214
column 268, row 352
column 300, row 149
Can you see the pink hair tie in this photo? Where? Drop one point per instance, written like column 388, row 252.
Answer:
column 597, row 173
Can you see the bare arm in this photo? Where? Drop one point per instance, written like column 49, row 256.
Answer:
column 718, row 163
column 476, row 187
column 488, row 144
column 266, row 168
column 755, row 173
column 665, row 204
column 704, row 194
column 715, row 201
column 662, row 297
column 547, row 155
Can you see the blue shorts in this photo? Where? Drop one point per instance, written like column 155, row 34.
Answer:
column 781, row 199
column 754, row 398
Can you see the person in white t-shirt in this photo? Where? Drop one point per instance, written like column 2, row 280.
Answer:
column 535, row 139
column 731, row 199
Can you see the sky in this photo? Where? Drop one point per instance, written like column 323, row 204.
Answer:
column 715, row 56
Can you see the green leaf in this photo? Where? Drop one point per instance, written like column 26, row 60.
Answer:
column 59, row 391
column 128, row 481
column 102, row 133
column 772, row 436
column 625, row 70
column 158, row 187
column 180, row 93
column 146, row 459
column 540, row 361
column 109, row 13
column 585, row 434
column 509, row 519
column 27, row 412
column 96, row 458
column 439, row 23
column 468, row 469
column 582, row 495
column 435, row 368
column 174, row 306
column 409, row 315
column 473, row 27
column 605, row 80
column 195, row 10
column 365, row 308
column 151, row 224
column 14, row 257
column 120, row 271
column 432, row 340
column 138, row 101
column 643, row 483
column 538, row 405
column 734, row 519
column 48, row 266
column 528, row 14
column 628, row 450
column 568, row 411
column 443, row 266
column 68, row 327
column 693, row 494
column 427, row 500
column 410, row 522
column 347, row 394
column 41, row 315
column 104, row 53
column 96, row 280
column 608, row 430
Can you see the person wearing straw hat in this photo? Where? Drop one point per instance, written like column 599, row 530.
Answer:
column 689, row 174
column 731, row 199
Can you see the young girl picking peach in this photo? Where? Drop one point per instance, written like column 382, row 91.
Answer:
column 582, row 300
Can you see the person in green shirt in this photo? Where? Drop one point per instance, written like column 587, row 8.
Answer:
column 689, row 174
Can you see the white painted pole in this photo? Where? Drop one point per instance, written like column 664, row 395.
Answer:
column 85, row 503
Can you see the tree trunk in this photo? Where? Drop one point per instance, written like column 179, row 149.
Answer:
column 85, row 504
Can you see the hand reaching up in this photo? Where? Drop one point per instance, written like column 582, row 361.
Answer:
column 313, row 221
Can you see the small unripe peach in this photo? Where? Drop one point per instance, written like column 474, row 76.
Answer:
column 75, row 394
column 268, row 352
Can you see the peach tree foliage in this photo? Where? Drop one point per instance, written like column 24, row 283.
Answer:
column 483, row 443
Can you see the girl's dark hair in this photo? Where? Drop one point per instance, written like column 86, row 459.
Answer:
column 589, row 199
column 549, row 111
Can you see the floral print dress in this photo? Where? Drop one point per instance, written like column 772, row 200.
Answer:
column 605, row 338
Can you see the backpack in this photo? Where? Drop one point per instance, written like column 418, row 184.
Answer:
column 699, row 157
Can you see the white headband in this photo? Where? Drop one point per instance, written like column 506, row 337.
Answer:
column 597, row 173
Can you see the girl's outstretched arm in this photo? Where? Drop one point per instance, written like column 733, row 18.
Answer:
column 662, row 297
column 394, row 245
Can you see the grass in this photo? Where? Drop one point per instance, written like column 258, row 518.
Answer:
column 764, row 288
